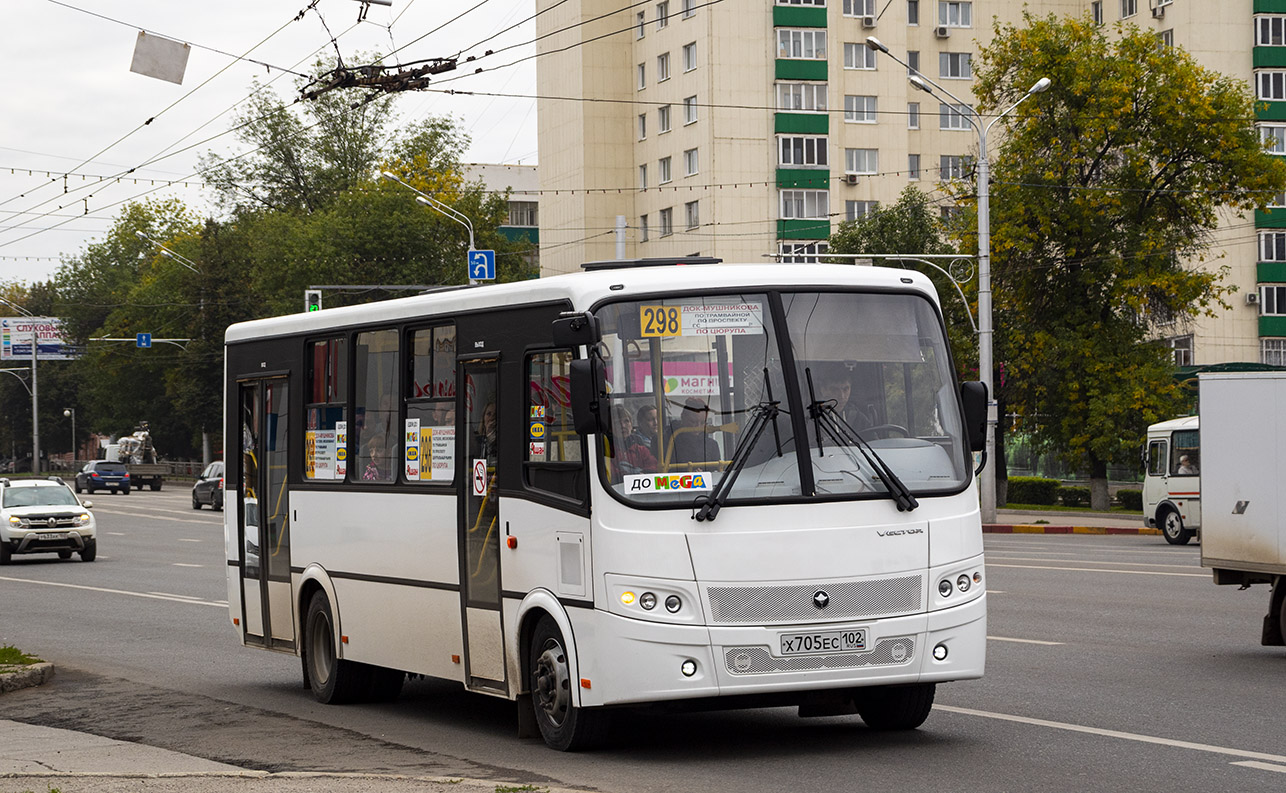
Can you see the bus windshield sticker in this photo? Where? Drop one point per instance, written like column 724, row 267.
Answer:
column 437, row 454
column 729, row 319
column 654, row 483
column 320, row 454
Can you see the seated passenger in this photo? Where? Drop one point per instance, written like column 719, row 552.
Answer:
column 691, row 435
column 629, row 448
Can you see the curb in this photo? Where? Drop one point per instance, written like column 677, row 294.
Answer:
column 1028, row 528
column 14, row 676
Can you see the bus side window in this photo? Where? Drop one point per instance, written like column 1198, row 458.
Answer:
column 554, row 456
column 326, row 395
column 1156, row 458
column 429, row 429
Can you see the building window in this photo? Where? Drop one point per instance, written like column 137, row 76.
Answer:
column 859, row 109
column 858, row 56
column 1096, row 12
column 524, row 213
column 640, row 29
column 863, row 161
column 913, row 12
column 663, row 67
column 1272, row 246
column 1181, row 348
column 642, row 228
column 662, row 15
column 912, row 115
column 1129, row 8
column 954, row 166
column 798, row 150
column 953, row 116
column 801, row 252
column 1270, row 85
column 1272, row 351
column 690, row 110
column 954, row 65
column 689, row 8
column 663, row 119
column 1272, row 300
column 1273, row 137
column 947, row 213
column 643, row 177
column 690, row 162
column 912, row 62
column 805, row 204
column 1270, row 31
column 856, row 210
column 801, row 44
column 692, row 214
column 642, row 76
column 642, row 126
column 913, row 167
column 955, row 14
column 667, row 221
column 689, row 56
column 1166, row 38
column 801, row 96
column 859, row 8
column 663, row 170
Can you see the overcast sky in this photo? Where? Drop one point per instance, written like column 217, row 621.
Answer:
column 72, row 104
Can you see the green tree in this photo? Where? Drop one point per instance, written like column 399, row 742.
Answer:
column 1106, row 192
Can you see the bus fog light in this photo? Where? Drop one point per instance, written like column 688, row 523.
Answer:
column 689, row 668
column 963, row 583
column 944, row 588
column 627, row 598
column 940, row 652
column 648, row 601
column 673, row 604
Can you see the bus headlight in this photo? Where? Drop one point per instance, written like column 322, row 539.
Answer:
column 963, row 583
column 944, row 588
column 648, row 601
column 673, row 604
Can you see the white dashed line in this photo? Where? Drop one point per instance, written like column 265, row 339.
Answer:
column 1023, row 641
column 182, row 564
column 1281, row 769
column 1099, row 570
column 148, row 595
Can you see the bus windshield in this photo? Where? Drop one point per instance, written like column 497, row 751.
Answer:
column 687, row 377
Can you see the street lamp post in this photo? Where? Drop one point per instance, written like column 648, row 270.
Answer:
column 72, row 413
column 442, row 208
column 985, row 328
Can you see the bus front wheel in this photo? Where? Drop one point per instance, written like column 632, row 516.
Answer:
column 563, row 725
column 1172, row 527
column 333, row 680
column 895, row 707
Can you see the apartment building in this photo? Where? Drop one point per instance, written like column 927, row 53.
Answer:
column 747, row 129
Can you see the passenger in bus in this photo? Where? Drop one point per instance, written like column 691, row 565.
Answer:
column 692, row 441
column 648, row 429
column 1186, row 466
column 486, row 440
column 629, row 448
column 377, row 460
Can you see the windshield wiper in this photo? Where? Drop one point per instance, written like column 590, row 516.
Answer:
column 825, row 416
column 763, row 414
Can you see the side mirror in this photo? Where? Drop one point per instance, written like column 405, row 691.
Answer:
column 574, row 330
column 587, row 414
column 973, row 397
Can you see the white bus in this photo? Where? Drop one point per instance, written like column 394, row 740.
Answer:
column 713, row 485
column 1172, row 479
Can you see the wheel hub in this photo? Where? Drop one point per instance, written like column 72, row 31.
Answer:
column 552, row 685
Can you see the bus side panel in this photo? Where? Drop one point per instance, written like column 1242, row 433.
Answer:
column 414, row 629
column 552, row 549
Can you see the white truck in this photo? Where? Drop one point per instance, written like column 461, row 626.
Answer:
column 1243, row 445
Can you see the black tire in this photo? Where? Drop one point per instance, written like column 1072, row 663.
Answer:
column 564, row 726
column 155, row 486
column 77, row 486
column 125, row 491
column 895, row 707
column 333, row 680
column 216, row 504
column 90, row 552
column 64, row 554
column 5, row 553
column 1171, row 524
column 196, row 503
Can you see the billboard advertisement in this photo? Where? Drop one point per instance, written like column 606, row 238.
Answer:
column 15, row 339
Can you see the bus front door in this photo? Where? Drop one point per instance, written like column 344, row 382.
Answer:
column 264, row 528
column 479, row 529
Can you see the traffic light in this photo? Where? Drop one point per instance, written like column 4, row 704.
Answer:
column 312, row 300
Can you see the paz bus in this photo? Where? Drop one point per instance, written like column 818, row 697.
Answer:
column 706, row 485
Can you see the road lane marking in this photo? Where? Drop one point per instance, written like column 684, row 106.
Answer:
column 1086, row 561
column 148, row 595
column 1100, row 570
column 1281, row 769
column 1024, row 641
column 153, row 516
column 116, row 533
column 184, row 564
column 186, row 539
column 1125, row 736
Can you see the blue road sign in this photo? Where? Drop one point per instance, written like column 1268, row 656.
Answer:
column 143, row 340
column 482, row 265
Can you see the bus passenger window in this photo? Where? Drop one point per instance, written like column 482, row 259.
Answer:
column 325, row 422
column 554, row 461
column 376, row 430
column 429, row 429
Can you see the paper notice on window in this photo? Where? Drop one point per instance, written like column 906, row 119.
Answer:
column 439, row 443
column 341, row 449
column 729, row 319
column 320, row 452
column 411, row 453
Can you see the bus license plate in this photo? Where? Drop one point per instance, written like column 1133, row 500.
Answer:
column 849, row 641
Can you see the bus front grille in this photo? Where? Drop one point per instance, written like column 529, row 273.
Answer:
column 759, row 660
column 795, row 603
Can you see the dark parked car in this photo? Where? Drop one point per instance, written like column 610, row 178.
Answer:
column 103, row 475
column 209, row 487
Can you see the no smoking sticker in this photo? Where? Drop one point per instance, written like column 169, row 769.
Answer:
column 479, row 477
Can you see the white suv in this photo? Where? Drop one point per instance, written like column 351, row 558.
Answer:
column 45, row 516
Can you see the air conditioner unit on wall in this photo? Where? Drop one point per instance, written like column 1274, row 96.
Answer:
column 1158, row 12
column 850, row 178
column 942, row 31
column 1252, row 298
column 868, row 22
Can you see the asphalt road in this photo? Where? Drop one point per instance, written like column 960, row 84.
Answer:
column 1114, row 664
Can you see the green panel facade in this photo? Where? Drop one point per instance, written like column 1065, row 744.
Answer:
column 1270, row 218
column 795, row 17
column 800, row 70
column 808, row 123
column 803, row 229
column 1264, row 111
column 520, row 233
column 1272, row 326
column 1270, row 57
column 1271, row 272
column 803, row 179
column 1270, row 6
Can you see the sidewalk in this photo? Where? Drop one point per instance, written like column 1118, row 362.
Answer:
column 1009, row 521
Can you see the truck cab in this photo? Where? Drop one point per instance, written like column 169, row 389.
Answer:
column 1172, row 479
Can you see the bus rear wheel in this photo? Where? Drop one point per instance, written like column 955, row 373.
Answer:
column 563, row 725
column 333, row 680
column 1172, row 527
column 895, row 707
